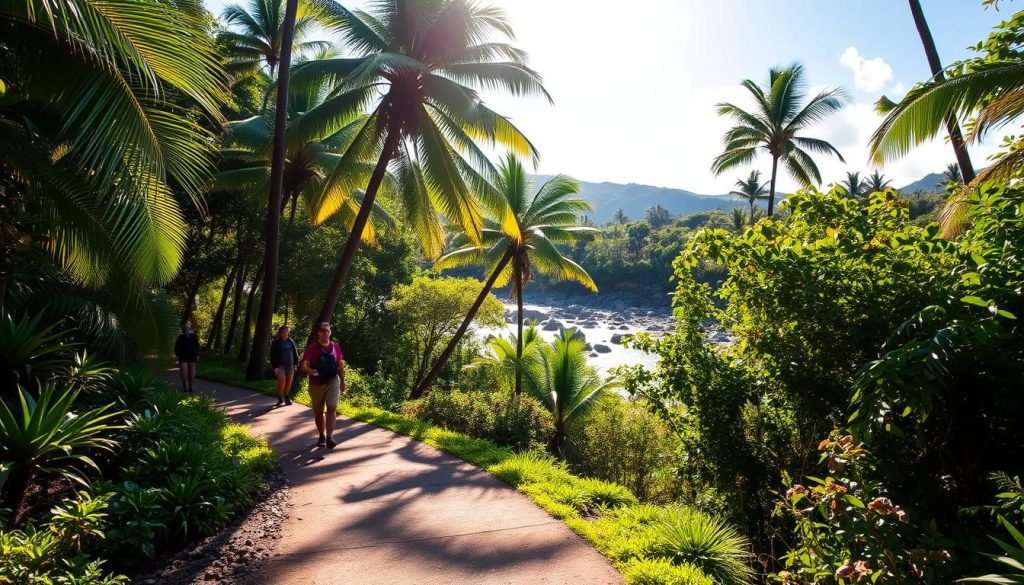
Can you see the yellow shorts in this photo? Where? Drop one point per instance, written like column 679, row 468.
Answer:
column 325, row 394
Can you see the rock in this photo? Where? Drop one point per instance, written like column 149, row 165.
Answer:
column 551, row 325
column 655, row 327
column 623, row 327
column 589, row 324
column 594, row 354
column 618, row 338
column 602, row 348
column 588, row 347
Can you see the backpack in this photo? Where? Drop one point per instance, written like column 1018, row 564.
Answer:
column 327, row 363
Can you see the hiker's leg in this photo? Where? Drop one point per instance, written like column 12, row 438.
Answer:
column 280, row 375
column 183, row 371
column 288, row 379
column 317, row 396
column 191, row 374
column 332, row 396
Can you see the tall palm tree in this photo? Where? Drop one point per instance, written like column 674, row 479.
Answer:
column 261, row 332
column 876, row 182
column 562, row 381
column 511, row 250
column 774, row 124
column 416, row 65
column 752, row 188
column 956, row 137
column 255, row 32
column 853, row 185
column 952, row 174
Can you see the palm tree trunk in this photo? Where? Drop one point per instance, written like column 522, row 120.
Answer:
column 450, row 349
column 355, row 236
column 247, row 324
column 213, row 338
column 261, row 337
column 771, row 190
column 517, row 279
column 751, row 212
column 955, row 136
column 236, row 308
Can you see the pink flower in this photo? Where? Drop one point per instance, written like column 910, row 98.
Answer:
column 846, row 441
column 881, row 505
column 844, row 572
column 902, row 515
column 823, row 445
column 862, row 569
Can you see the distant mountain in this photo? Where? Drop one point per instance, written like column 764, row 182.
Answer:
column 634, row 199
column 931, row 183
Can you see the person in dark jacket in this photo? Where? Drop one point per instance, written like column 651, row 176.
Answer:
column 284, row 358
column 186, row 349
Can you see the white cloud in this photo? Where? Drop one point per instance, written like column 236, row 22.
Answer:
column 869, row 75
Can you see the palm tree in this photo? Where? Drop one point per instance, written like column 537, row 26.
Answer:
column 956, row 138
column 876, row 182
column 952, row 174
column 415, row 64
column 774, row 124
column 512, row 249
column 739, row 219
column 261, row 332
column 562, row 381
column 255, row 32
column 90, row 136
column 853, row 185
column 504, row 352
column 751, row 189
column 620, row 216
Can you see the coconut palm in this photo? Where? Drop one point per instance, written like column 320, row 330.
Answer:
column 512, row 250
column 952, row 174
column 416, row 65
column 255, row 31
column 774, row 125
column 89, row 134
column 503, row 357
column 853, row 185
column 751, row 189
column 739, row 219
column 561, row 380
column 956, row 138
column 876, row 182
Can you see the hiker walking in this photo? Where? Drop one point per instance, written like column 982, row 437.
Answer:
column 322, row 360
column 186, row 349
column 284, row 358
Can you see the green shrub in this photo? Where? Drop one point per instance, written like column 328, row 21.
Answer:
column 621, row 442
column 662, row 572
column 519, row 422
column 687, row 536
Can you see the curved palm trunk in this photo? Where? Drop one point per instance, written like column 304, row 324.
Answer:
column 247, row 325
column 771, row 190
column 354, row 237
column 261, row 337
column 236, row 309
column 955, row 136
column 431, row 376
column 751, row 212
column 518, row 279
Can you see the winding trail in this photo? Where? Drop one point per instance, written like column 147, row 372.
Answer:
column 384, row 508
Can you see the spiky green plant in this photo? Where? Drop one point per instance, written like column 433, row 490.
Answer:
column 876, row 182
column 690, row 537
column 773, row 126
column 503, row 350
column 854, row 186
column 44, row 436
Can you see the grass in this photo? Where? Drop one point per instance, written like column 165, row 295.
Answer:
column 648, row 544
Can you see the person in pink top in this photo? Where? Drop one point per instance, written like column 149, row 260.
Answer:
column 322, row 360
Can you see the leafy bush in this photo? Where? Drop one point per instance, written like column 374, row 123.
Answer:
column 663, row 572
column 519, row 421
column 54, row 555
column 1012, row 556
column 621, row 442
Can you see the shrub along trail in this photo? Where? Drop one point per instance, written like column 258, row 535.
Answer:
column 384, row 508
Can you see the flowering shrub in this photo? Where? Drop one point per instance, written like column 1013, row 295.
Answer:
column 848, row 530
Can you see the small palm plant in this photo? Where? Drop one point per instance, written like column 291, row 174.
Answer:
column 853, row 185
column 563, row 381
column 503, row 358
column 876, row 182
column 688, row 536
column 44, row 436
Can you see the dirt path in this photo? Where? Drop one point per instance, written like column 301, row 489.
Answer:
column 384, row 508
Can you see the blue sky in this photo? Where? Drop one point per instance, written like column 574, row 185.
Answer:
column 635, row 82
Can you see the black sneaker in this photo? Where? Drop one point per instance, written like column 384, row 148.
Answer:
column 287, row 401
column 321, row 441
column 190, row 390
column 280, row 401
column 330, row 443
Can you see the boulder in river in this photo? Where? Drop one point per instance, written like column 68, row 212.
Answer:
column 551, row 325
column 602, row 348
column 618, row 338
